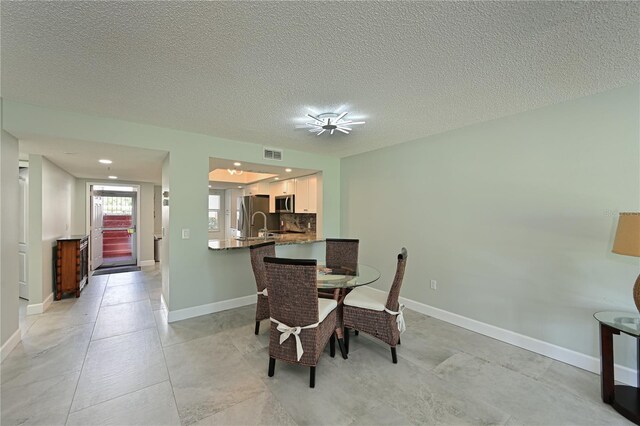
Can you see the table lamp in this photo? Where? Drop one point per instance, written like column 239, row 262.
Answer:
column 627, row 242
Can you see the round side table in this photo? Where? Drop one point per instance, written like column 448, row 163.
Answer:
column 624, row 399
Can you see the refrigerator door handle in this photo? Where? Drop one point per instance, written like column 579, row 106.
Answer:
column 242, row 216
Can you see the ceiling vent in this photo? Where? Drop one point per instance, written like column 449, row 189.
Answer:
column 272, row 154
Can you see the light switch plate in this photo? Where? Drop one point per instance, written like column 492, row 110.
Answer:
column 185, row 234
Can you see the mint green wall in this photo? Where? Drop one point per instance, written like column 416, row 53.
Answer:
column 514, row 217
column 193, row 270
column 35, row 258
column 9, row 213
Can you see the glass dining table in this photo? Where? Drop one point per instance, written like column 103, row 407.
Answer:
column 341, row 280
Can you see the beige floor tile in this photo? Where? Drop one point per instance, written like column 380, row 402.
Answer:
column 45, row 351
column 123, row 318
column 262, row 409
column 151, row 406
column 45, row 402
column 209, row 375
column 119, row 365
column 124, row 294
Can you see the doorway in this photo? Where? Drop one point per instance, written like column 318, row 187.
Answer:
column 23, row 227
column 113, row 226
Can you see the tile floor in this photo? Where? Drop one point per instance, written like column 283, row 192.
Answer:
column 110, row 358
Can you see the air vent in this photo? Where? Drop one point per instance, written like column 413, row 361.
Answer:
column 272, row 154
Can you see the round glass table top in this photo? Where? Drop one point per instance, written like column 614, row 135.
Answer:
column 627, row 322
column 346, row 278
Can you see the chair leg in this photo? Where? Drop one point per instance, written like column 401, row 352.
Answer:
column 332, row 345
column 398, row 340
column 346, row 340
column 272, row 366
column 342, row 349
column 257, row 327
column 312, row 377
column 356, row 332
column 394, row 357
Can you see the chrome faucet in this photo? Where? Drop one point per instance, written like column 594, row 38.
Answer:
column 263, row 230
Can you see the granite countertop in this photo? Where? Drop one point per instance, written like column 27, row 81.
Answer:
column 280, row 240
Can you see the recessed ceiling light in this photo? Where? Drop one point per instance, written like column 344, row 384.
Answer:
column 209, row 186
column 237, row 164
column 113, row 177
column 277, row 179
column 287, row 170
column 105, row 161
column 239, row 187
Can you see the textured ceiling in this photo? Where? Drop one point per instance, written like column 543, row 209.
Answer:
column 246, row 70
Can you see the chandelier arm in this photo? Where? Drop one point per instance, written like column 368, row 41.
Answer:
column 343, row 131
column 315, row 118
column 340, row 117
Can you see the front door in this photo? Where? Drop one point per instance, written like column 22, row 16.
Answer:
column 23, row 281
column 96, row 231
column 118, row 228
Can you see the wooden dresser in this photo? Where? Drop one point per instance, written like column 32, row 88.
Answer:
column 72, row 264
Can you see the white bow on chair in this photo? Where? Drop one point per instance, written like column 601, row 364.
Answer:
column 286, row 332
column 399, row 317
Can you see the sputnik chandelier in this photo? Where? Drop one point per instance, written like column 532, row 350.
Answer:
column 330, row 122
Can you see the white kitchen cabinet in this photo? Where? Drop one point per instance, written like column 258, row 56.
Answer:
column 307, row 194
column 278, row 188
column 257, row 188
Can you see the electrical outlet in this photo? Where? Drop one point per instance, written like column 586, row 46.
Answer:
column 434, row 285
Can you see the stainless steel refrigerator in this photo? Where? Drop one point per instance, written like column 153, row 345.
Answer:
column 251, row 205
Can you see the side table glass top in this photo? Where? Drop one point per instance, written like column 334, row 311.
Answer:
column 344, row 278
column 627, row 322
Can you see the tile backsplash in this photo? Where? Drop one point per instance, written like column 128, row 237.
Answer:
column 298, row 222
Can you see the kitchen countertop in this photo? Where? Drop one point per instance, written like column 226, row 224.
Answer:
column 280, row 240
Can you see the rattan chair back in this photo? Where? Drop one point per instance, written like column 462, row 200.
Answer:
column 394, row 292
column 293, row 293
column 342, row 253
column 258, row 253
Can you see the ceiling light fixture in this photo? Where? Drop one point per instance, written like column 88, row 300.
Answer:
column 113, row 177
column 287, row 170
column 237, row 164
column 330, row 121
column 105, row 161
column 235, row 172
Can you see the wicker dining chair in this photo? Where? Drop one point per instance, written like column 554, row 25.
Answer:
column 342, row 253
column 375, row 313
column 258, row 253
column 301, row 323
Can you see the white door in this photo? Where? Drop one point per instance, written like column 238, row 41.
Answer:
column 96, row 231
column 23, row 278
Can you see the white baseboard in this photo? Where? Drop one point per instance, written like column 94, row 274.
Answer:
column 147, row 262
column 38, row 308
column 11, row 343
column 586, row 362
column 209, row 308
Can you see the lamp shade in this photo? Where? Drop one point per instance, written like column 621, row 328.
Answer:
column 627, row 240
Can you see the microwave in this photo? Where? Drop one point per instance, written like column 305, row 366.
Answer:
column 285, row 203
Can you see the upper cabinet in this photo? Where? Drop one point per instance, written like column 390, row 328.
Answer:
column 278, row 188
column 307, row 194
column 258, row 188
